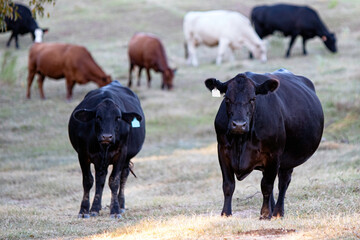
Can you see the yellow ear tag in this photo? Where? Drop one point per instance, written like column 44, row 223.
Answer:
column 135, row 123
column 215, row 93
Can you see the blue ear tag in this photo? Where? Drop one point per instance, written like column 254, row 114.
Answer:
column 135, row 123
column 215, row 93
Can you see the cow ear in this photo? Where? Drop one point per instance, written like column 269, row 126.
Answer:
column 84, row 115
column 212, row 83
column 268, row 86
column 129, row 117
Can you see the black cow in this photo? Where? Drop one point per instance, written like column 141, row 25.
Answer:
column 23, row 24
column 270, row 122
column 291, row 21
column 107, row 127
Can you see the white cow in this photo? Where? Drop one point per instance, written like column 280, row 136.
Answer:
column 220, row 27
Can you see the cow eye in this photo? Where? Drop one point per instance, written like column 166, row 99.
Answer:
column 118, row 118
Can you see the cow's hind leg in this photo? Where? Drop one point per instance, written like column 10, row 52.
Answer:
column 139, row 76
column 304, row 46
column 148, row 77
column 30, row 79
column 121, row 197
column 40, row 80
column 131, row 68
column 267, row 185
column 88, row 181
column 284, row 181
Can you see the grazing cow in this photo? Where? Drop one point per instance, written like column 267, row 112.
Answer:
column 22, row 24
column 292, row 21
column 146, row 51
column 227, row 29
column 270, row 122
column 59, row 60
column 107, row 127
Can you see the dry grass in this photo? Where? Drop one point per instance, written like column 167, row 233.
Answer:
column 177, row 194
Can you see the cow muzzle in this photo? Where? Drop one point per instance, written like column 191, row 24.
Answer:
column 239, row 127
column 106, row 138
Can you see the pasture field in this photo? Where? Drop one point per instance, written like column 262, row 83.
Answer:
column 178, row 192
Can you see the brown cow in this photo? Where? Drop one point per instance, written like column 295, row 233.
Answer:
column 146, row 51
column 58, row 60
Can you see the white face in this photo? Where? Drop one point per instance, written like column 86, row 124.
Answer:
column 38, row 35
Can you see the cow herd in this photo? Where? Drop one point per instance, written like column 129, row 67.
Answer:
column 270, row 122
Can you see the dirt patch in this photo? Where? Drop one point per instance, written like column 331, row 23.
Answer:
column 268, row 233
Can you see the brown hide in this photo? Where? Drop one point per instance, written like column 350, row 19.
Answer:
column 57, row 60
column 146, row 51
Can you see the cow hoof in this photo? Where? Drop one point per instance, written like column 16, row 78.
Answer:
column 265, row 218
column 83, row 215
column 94, row 214
column 122, row 210
column 116, row 216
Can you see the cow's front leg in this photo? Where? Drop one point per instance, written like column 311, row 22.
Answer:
column 267, row 185
column 114, row 184
column 100, row 176
column 88, row 181
column 228, row 180
column 223, row 46
column 121, row 197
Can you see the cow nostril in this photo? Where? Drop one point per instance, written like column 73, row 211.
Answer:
column 106, row 137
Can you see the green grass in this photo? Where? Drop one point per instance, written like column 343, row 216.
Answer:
column 178, row 193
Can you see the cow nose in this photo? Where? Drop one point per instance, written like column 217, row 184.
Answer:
column 238, row 126
column 106, row 138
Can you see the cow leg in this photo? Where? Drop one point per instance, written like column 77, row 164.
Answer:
column 131, row 68
column 293, row 38
column 30, row 79
column 88, row 181
column 304, row 47
column 9, row 41
column 284, row 181
column 192, row 58
column 223, row 45
column 121, row 197
column 228, row 181
column 41, row 87
column 139, row 76
column 69, row 88
column 267, row 185
column 114, row 184
column 148, row 77
column 100, row 176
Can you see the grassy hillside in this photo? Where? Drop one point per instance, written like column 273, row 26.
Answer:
column 177, row 194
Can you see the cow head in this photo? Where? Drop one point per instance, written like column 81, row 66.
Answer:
column 330, row 42
column 168, row 77
column 240, row 100
column 111, row 123
column 259, row 51
column 38, row 34
column 105, row 80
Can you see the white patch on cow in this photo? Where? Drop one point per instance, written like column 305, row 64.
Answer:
column 38, row 35
column 215, row 93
